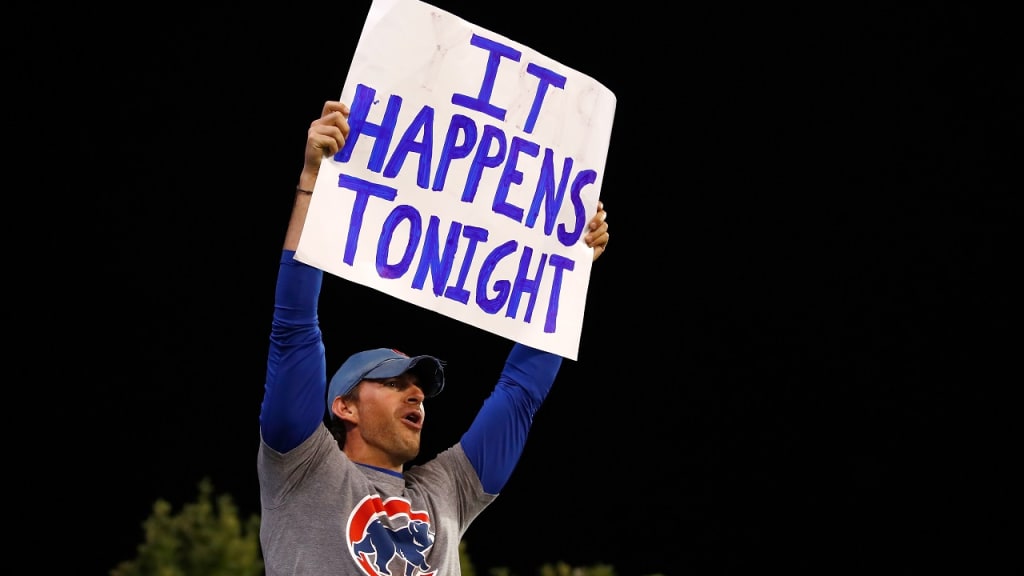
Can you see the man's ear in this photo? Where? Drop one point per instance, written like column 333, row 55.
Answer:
column 343, row 410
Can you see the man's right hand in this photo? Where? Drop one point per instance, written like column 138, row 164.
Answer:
column 326, row 135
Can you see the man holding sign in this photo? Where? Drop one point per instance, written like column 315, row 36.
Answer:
column 358, row 510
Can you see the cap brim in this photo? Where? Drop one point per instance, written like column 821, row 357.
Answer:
column 428, row 369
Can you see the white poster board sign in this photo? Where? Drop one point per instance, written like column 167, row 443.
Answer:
column 467, row 181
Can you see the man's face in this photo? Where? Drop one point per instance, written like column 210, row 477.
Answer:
column 391, row 416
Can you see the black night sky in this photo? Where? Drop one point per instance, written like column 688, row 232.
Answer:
column 780, row 344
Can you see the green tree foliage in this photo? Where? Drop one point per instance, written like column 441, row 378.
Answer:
column 206, row 538
column 464, row 561
column 563, row 569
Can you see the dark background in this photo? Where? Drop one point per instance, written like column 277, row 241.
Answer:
column 783, row 346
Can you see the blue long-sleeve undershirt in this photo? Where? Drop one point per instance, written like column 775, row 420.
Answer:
column 294, row 396
column 294, row 400
column 495, row 439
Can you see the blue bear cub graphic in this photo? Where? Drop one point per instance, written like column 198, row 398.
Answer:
column 409, row 543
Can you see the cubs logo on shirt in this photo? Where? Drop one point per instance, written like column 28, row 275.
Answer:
column 388, row 538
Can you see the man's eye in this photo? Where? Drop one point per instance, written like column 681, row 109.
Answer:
column 393, row 384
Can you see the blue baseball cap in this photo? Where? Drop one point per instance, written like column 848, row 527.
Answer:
column 385, row 363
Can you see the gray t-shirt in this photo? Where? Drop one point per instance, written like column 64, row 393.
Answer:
column 323, row 515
